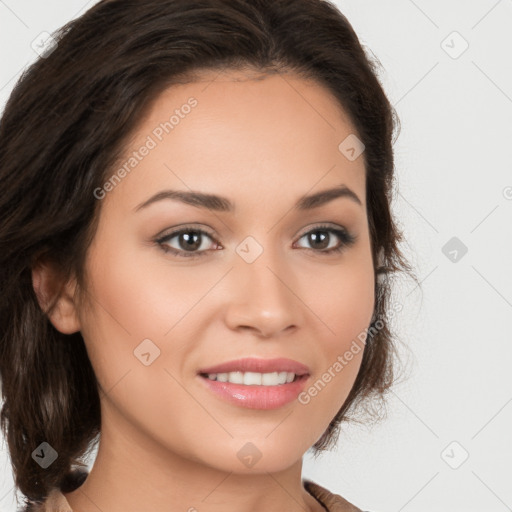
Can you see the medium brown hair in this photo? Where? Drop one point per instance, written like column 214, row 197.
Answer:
column 65, row 124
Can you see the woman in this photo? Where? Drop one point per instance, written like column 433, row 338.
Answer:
column 197, row 248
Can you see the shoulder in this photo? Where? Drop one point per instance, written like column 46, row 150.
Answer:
column 332, row 502
column 55, row 501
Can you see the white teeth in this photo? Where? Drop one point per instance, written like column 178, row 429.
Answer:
column 273, row 379
column 236, row 377
column 254, row 378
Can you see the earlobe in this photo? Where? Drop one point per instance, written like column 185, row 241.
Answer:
column 50, row 289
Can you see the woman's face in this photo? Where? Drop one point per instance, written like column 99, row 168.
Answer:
column 258, row 284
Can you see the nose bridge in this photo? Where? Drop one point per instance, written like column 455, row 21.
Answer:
column 262, row 267
column 262, row 296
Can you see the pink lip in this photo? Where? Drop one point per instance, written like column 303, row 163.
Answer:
column 250, row 364
column 255, row 396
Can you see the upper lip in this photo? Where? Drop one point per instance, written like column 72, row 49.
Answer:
column 250, row 364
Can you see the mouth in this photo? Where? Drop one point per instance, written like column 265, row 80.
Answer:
column 256, row 383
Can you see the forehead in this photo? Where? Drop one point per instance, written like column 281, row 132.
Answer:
column 284, row 97
column 241, row 132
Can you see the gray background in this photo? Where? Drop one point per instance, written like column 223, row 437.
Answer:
column 455, row 180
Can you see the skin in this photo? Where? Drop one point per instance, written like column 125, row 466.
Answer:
column 168, row 443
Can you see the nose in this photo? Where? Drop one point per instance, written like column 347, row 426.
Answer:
column 263, row 296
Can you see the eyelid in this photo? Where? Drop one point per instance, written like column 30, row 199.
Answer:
column 320, row 225
column 186, row 226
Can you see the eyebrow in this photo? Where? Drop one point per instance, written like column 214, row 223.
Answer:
column 223, row 204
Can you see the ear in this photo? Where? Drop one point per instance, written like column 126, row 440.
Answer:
column 48, row 287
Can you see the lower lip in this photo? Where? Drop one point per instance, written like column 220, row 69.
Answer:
column 257, row 397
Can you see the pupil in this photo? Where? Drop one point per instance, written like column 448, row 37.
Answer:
column 324, row 236
column 191, row 240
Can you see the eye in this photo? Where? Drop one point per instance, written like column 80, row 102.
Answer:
column 321, row 236
column 189, row 240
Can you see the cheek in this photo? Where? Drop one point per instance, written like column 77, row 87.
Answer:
column 135, row 298
column 119, row 316
column 344, row 303
column 134, row 295
column 124, row 330
column 342, row 297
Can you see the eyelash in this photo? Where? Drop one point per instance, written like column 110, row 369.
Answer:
column 346, row 239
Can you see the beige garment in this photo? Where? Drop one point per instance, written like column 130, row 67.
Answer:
column 56, row 502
